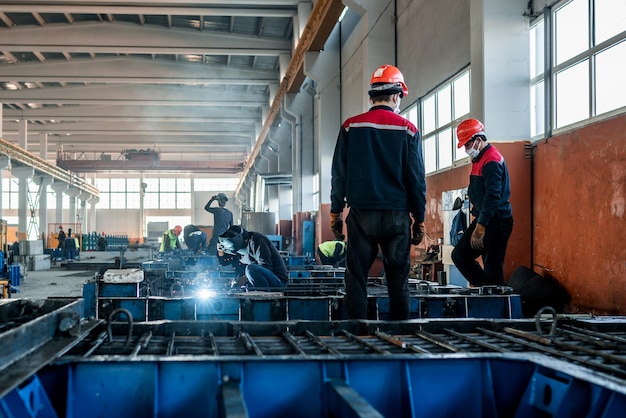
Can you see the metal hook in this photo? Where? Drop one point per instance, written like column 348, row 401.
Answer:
column 129, row 316
column 550, row 310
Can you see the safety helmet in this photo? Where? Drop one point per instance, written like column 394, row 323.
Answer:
column 468, row 129
column 232, row 239
column 177, row 230
column 387, row 79
column 60, row 226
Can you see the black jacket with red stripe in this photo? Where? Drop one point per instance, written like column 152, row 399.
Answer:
column 378, row 164
column 490, row 187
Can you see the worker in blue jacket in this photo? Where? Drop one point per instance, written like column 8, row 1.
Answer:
column 489, row 192
column 378, row 172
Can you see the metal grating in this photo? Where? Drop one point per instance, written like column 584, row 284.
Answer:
column 570, row 340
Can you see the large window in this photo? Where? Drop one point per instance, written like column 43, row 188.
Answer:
column 440, row 112
column 587, row 41
column 167, row 193
column 118, row 193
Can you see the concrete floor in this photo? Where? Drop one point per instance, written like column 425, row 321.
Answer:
column 60, row 281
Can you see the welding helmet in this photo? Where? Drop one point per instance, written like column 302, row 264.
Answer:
column 467, row 130
column 177, row 230
column 233, row 239
column 387, row 80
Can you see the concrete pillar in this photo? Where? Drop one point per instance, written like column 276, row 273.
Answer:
column 23, row 133
column 5, row 162
column 43, row 146
column 500, row 68
column 59, row 188
column 23, row 173
column 82, row 217
column 1, row 134
column 72, row 192
column 93, row 201
column 43, row 182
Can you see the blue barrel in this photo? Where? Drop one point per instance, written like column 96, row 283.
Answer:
column 14, row 275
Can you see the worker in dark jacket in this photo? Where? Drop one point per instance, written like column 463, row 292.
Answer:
column 222, row 219
column 378, row 171
column 195, row 238
column 254, row 257
column 489, row 191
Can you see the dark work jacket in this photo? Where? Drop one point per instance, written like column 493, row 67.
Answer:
column 258, row 250
column 490, row 188
column 378, row 164
column 222, row 218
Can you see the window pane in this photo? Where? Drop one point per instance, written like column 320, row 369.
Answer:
column 462, row 95
column 132, row 185
column 102, row 185
column 537, row 50
column 152, row 185
column 610, row 19
column 132, row 200
column 167, row 185
column 151, row 201
column 444, row 138
column 444, row 106
column 430, row 154
column 537, row 106
column 104, row 202
column 429, row 114
column 118, row 200
column 610, row 85
column 459, row 153
column 572, row 30
column 183, row 200
column 572, row 94
column 118, row 185
column 183, row 185
column 167, row 201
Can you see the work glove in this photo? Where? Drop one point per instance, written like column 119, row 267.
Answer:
column 478, row 237
column 336, row 225
column 417, row 233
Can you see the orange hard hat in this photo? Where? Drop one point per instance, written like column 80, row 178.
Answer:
column 468, row 129
column 177, row 229
column 387, row 79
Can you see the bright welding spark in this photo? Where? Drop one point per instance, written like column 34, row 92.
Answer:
column 206, row 293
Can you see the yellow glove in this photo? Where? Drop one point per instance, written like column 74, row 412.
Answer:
column 478, row 237
column 336, row 225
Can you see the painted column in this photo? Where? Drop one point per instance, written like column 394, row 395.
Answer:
column 5, row 162
column 72, row 192
column 43, row 182
column 59, row 188
column 23, row 173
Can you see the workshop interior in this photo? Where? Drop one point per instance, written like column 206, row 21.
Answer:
column 123, row 121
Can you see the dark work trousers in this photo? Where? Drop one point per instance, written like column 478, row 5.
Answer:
column 367, row 229
column 497, row 235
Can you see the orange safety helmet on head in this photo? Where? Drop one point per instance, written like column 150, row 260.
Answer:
column 387, row 79
column 468, row 129
column 177, row 230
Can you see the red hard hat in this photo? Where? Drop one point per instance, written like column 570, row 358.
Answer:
column 387, row 78
column 467, row 130
column 177, row 230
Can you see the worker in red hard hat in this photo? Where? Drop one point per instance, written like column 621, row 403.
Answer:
column 170, row 240
column 378, row 172
column 489, row 191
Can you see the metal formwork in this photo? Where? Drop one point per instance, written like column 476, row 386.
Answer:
column 548, row 367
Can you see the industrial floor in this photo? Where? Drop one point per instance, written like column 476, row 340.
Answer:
column 67, row 281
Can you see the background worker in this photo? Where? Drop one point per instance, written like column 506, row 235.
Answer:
column 222, row 219
column 254, row 256
column 102, row 243
column 378, row 171
column 489, row 191
column 195, row 238
column 170, row 240
column 69, row 245
column 61, row 237
column 332, row 253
